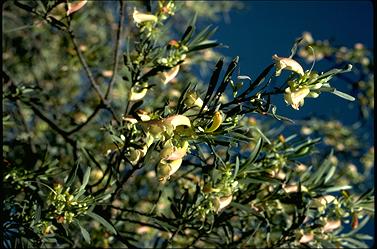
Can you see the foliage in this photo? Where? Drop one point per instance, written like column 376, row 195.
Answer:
column 144, row 154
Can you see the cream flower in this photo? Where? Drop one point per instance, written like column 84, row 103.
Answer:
column 307, row 237
column 288, row 64
column 168, row 168
column 177, row 120
column 142, row 17
column 75, row 6
column 221, row 202
column 192, row 99
column 170, row 152
column 296, row 98
column 171, row 74
column 137, row 95
column 331, row 225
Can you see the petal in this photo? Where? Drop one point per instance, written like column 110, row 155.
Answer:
column 142, row 17
column 177, row 120
column 171, row 74
column 75, row 6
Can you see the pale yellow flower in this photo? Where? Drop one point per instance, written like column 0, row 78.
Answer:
column 171, row 74
column 217, row 120
column 140, row 17
column 171, row 152
column 177, row 120
column 307, row 237
column 168, row 168
column 288, row 64
column 137, row 95
column 331, row 225
column 75, row 6
column 221, row 202
column 296, row 98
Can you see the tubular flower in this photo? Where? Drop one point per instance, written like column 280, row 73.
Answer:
column 137, row 95
column 168, row 168
column 331, row 225
column 140, row 17
column 171, row 152
column 75, row 6
column 171, row 74
column 216, row 122
column 288, row 64
column 192, row 99
column 296, row 98
column 221, row 202
column 177, row 120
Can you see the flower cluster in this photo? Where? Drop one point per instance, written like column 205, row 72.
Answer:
column 65, row 206
column 307, row 84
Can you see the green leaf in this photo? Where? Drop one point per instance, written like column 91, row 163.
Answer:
column 343, row 95
column 363, row 236
column 72, row 175
column 294, row 47
column 102, row 221
column 254, row 155
column 330, row 174
column 85, row 234
column 85, row 179
column 337, row 188
column 237, row 165
column 262, row 135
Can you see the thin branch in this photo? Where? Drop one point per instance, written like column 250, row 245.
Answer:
column 26, row 127
column 80, row 126
column 116, row 50
column 86, row 67
column 51, row 123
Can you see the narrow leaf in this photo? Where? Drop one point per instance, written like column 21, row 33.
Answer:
column 102, row 221
column 343, row 95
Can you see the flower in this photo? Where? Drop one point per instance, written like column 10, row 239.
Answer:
column 221, row 202
column 140, row 17
column 288, row 64
column 296, row 98
column 75, row 6
column 216, row 122
column 192, row 99
column 168, row 168
column 331, row 225
column 138, row 94
column 307, row 237
column 169, row 75
column 177, row 120
column 171, row 152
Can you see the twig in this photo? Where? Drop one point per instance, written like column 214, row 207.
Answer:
column 116, row 50
column 80, row 126
column 86, row 67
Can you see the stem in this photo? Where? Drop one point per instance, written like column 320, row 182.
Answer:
column 116, row 50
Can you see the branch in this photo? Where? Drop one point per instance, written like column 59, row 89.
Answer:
column 80, row 126
column 116, row 50
column 51, row 123
column 86, row 67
